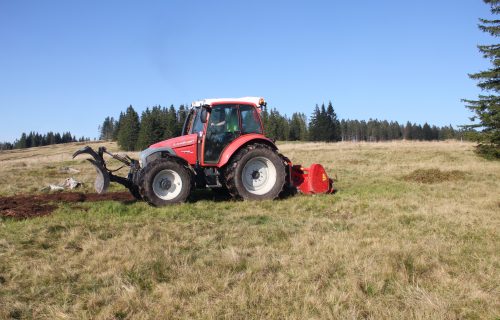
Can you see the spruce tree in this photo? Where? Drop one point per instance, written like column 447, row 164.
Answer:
column 146, row 130
column 314, row 125
column 333, row 124
column 297, row 127
column 487, row 108
column 304, row 134
column 272, row 129
column 323, row 124
column 50, row 138
column 22, row 143
column 284, row 127
column 117, row 126
column 264, row 115
column 427, row 132
column 129, row 130
column 107, row 129
column 7, row 145
column 152, row 128
column 171, row 123
column 407, row 131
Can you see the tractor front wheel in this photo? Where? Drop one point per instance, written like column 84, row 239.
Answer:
column 165, row 182
column 256, row 172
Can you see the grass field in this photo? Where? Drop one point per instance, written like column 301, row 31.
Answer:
column 413, row 233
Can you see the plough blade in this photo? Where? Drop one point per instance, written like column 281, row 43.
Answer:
column 101, row 183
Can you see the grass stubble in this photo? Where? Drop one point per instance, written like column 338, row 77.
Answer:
column 411, row 234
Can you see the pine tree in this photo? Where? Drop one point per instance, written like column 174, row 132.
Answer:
column 107, row 129
column 161, row 116
column 314, row 125
column 152, row 128
column 273, row 125
column 323, row 124
column 298, row 127
column 117, row 126
column 171, row 123
column 447, row 132
column 146, row 130
column 304, row 134
column 427, row 132
column 284, row 127
column 487, row 108
column 21, row 144
column 264, row 115
column 7, row 145
column 129, row 130
column 333, row 124
column 407, row 131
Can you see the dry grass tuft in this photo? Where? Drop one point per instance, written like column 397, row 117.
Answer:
column 434, row 175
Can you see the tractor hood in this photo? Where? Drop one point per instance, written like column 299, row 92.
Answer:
column 168, row 146
column 178, row 142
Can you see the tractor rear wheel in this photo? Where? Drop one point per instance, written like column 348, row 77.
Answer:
column 165, row 182
column 256, row 172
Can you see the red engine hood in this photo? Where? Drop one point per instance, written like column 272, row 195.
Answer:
column 178, row 142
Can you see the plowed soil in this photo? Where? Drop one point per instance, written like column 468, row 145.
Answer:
column 28, row 206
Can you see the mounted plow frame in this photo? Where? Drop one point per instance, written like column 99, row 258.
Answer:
column 105, row 175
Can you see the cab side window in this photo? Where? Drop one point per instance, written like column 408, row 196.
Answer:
column 249, row 120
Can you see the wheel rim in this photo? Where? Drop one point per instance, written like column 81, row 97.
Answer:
column 259, row 176
column 167, row 184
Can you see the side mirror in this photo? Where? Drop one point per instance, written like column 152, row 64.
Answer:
column 203, row 115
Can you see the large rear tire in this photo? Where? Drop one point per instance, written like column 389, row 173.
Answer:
column 256, row 172
column 165, row 182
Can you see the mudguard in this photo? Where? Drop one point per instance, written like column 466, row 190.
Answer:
column 241, row 141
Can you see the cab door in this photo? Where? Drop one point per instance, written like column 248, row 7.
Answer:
column 223, row 127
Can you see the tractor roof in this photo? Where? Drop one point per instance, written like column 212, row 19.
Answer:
column 253, row 100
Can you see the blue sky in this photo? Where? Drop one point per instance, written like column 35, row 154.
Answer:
column 65, row 65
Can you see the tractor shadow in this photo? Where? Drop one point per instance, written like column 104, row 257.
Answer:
column 222, row 195
column 215, row 195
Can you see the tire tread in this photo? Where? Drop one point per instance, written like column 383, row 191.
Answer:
column 231, row 168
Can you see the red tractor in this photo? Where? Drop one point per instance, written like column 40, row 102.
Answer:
column 222, row 146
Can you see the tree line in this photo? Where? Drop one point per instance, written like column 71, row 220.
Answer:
column 35, row 139
column 134, row 132
column 325, row 126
